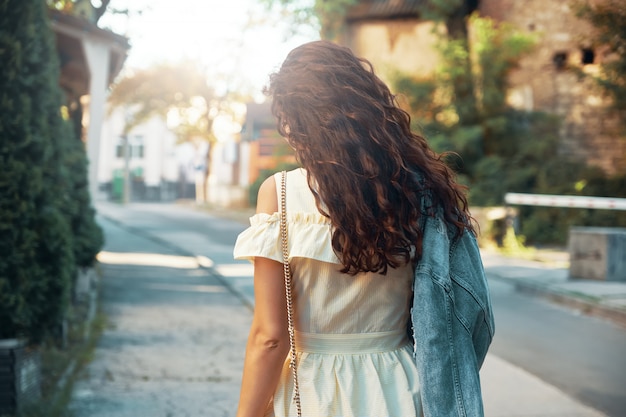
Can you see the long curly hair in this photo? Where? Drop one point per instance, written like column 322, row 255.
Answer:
column 368, row 171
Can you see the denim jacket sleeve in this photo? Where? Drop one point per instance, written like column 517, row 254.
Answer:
column 452, row 322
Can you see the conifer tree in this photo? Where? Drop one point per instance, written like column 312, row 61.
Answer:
column 36, row 256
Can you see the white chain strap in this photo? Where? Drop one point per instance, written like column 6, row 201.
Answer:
column 288, row 286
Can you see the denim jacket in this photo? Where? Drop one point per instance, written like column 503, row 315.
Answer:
column 452, row 321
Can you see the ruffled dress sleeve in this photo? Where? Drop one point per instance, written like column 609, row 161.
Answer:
column 262, row 238
column 308, row 234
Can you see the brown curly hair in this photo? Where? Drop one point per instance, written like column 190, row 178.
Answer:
column 368, row 171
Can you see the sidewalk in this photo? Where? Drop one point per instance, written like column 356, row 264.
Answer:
column 550, row 279
column 177, row 335
column 175, row 338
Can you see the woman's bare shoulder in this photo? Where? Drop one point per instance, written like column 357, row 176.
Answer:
column 267, row 200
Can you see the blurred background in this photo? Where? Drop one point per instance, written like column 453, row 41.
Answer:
column 106, row 104
column 528, row 96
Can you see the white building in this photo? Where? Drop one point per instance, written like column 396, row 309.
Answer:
column 90, row 59
column 159, row 168
column 163, row 170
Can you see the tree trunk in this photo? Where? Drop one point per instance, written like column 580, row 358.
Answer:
column 465, row 98
column 207, row 173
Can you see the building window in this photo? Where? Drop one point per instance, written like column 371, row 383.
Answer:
column 559, row 60
column 135, row 145
column 588, row 56
column 119, row 148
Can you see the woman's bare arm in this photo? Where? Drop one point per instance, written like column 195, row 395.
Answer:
column 268, row 342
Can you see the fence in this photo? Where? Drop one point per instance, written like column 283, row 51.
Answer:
column 595, row 253
column 548, row 200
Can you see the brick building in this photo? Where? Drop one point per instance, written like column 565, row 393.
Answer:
column 393, row 36
column 548, row 76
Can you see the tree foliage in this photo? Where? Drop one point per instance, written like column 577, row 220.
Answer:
column 159, row 90
column 68, row 5
column 609, row 20
column 104, row 6
column 329, row 15
column 457, row 71
column 42, row 180
column 180, row 91
column 452, row 13
column 35, row 260
column 326, row 15
column 503, row 149
column 498, row 48
column 498, row 147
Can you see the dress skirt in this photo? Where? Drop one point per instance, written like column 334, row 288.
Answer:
column 353, row 375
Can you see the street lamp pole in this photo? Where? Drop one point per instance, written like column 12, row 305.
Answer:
column 126, row 188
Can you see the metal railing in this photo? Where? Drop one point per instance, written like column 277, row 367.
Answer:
column 549, row 200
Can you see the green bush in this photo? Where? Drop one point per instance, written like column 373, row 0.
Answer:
column 87, row 234
column 551, row 225
column 42, row 180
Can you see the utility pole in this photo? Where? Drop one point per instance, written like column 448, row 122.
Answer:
column 126, row 189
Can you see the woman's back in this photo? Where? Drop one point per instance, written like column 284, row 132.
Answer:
column 327, row 300
column 372, row 176
column 354, row 356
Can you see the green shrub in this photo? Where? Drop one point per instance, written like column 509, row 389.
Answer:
column 87, row 236
column 551, row 225
column 42, row 180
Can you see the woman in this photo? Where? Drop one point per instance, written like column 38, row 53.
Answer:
column 354, row 215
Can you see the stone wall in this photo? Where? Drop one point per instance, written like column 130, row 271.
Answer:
column 399, row 45
column 547, row 79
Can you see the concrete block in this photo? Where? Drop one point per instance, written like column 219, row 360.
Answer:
column 597, row 253
column 85, row 279
column 20, row 376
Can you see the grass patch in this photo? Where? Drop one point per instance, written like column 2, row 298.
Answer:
column 514, row 246
column 62, row 366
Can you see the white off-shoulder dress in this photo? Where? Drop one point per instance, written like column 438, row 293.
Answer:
column 354, row 357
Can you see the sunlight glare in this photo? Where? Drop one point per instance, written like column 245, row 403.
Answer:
column 217, row 34
column 235, row 270
column 147, row 259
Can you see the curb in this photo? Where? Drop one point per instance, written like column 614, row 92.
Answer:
column 566, row 298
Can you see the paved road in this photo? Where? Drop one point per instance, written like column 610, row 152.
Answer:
column 582, row 356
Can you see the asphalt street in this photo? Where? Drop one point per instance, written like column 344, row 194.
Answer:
column 581, row 355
